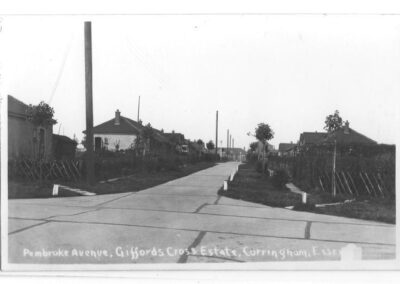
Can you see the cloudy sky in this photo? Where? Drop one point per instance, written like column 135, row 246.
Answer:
column 288, row 71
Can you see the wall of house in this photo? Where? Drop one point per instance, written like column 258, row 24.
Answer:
column 23, row 139
column 126, row 141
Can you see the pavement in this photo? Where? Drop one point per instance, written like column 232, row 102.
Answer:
column 183, row 221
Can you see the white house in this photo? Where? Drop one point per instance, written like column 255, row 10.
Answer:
column 118, row 133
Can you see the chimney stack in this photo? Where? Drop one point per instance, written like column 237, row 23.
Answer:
column 346, row 127
column 117, row 117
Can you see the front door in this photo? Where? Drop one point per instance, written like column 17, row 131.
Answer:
column 97, row 144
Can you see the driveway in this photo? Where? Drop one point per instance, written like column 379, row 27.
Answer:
column 182, row 221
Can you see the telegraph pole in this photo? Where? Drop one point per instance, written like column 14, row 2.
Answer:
column 89, row 103
column 230, row 142
column 227, row 142
column 216, row 134
column 138, row 110
column 334, row 172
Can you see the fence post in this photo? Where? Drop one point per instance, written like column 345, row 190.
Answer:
column 225, row 185
column 304, row 197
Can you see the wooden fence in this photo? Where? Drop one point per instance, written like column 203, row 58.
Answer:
column 372, row 176
column 354, row 183
column 67, row 170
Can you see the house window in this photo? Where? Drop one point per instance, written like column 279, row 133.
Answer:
column 105, row 141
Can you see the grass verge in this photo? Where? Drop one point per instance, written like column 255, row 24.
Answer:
column 252, row 186
column 138, row 181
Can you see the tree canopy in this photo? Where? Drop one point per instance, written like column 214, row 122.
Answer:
column 253, row 146
column 333, row 122
column 41, row 114
column 200, row 143
column 210, row 145
column 264, row 132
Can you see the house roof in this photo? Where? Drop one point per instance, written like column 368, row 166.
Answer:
column 126, row 126
column 16, row 107
column 64, row 139
column 312, row 137
column 348, row 137
column 175, row 137
column 285, row 146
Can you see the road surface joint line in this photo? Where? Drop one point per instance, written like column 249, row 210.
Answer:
column 217, row 200
column 74, row 214
column 115, row 199
column 200, row 207
column 215, row 232
column 307, row 230
column 196, row 242
column 210, row 214
column 301, row 220
column 29, row 227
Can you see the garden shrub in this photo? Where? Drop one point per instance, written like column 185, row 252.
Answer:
column 280, row 178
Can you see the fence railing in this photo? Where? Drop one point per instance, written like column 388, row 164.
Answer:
column 372, row 176
column 69, row 170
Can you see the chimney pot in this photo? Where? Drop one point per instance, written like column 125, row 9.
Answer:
column 117, row 119
column 346, row 127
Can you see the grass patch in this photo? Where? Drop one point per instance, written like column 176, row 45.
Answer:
column 256, row 187
column 249, row 185
column 138, row 181
column 371, row 209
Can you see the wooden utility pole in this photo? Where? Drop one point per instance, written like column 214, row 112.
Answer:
column 89, row 104
column 216, row 134
column 334, row 172
column 138, row 110
column 227, row 143
column 230, row 142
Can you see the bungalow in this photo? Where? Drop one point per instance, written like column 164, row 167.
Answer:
column 286, row 149
column 311, row 138
column 347, row 136
column 64, row 147
column 25, row 139
column 178, row 141
column 120, row 133
column 344, row 135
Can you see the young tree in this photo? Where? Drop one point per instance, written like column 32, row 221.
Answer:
column 210, row 145
column 264, row 133
column 253, row 146
column 200, row 143
column 333, row 122
column 147, row 137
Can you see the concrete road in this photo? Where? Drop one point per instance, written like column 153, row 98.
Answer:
column 182, row 221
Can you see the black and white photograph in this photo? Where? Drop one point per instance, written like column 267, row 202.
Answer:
column 199, row 141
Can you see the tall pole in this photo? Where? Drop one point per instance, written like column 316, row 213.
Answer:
column 230, row 142
column 89, row 103
column 216, row 134
column 138, row 110
column 334, row 172
column 227, row 140
column 227, row 143
column 233, row 143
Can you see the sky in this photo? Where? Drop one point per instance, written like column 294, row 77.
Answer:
column 289, row 71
